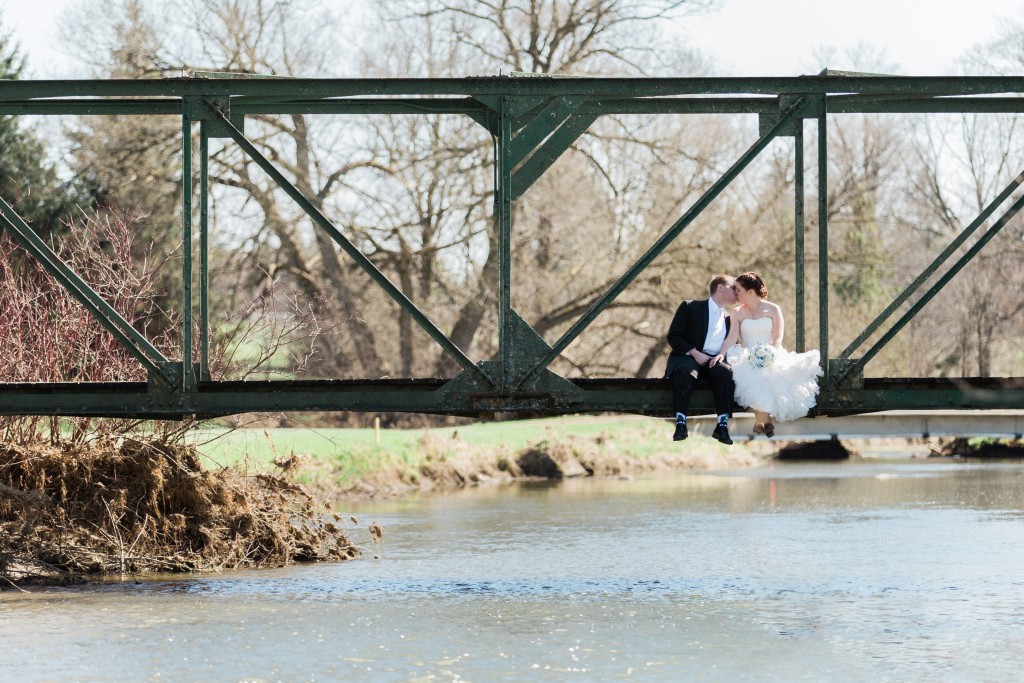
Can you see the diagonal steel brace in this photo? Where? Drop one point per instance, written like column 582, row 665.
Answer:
column 934, row 265
column 130, row 338
column 664, row 241
column 352, row 250
column 852, row 369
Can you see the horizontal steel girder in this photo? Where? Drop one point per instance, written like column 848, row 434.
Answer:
column 643, row 396
column 457, row 105
column 305, row 88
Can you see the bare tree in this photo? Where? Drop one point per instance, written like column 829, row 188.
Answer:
column 416, row 195
column 51, row 337
column 963, row 162
column 562, row 36
column 567, row 252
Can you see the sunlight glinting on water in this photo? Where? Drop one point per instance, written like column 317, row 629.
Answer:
column 867, row 570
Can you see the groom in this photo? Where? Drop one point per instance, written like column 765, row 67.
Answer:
column 696, row 335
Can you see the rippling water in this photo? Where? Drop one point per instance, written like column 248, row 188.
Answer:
column 863, row 571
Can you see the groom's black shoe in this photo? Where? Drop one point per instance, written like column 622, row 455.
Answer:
column 681, row 432
column 722, row 434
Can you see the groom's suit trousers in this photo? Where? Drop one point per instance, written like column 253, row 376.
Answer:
column 685, row 372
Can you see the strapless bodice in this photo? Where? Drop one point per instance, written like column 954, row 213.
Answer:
column 756, row 331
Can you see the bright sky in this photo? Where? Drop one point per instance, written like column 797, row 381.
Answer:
column 744, row 37
column 783, row 37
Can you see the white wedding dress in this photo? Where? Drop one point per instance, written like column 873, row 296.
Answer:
column 785, row 386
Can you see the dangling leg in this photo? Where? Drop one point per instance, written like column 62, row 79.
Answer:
column 683, row 377
column 769, row 427
column 760, row 420
column 723, row 389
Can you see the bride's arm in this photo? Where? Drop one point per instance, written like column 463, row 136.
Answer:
column 730, row 339
column 734, row 332
column 778, row 327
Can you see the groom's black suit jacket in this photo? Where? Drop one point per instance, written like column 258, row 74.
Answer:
column 688, row 330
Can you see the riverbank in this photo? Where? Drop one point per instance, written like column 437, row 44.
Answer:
column 984, row 448
column 232, row 499
column 135, row 507
column 249, row 498
column 370, row 463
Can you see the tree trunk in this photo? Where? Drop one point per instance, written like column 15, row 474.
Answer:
column 369, row 361
column 468, row 322
column 405, row 339
column 656, row 351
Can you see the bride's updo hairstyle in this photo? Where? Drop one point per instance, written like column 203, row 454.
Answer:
column 753, row 282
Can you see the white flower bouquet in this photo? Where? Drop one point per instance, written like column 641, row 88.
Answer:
column 762, row 355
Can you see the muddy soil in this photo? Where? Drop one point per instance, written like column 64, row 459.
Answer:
column 448, row 464
column 135, row 507
column 985, row 449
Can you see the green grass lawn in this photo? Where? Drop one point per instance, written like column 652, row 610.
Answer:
column 353, row 453
column 246, row 346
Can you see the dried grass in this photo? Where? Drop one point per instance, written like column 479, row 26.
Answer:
column 138, row 507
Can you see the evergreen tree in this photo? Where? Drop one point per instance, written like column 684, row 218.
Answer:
column 27, row 182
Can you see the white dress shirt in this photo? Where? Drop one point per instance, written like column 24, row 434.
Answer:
column 716, row 329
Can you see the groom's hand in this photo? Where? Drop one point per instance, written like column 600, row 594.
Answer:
column 699, row 356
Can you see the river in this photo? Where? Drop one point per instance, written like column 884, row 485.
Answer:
column 868, row 570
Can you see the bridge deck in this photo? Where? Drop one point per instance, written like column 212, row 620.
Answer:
column 642, row 396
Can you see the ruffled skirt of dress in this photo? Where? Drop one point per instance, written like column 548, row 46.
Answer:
column 787, row 388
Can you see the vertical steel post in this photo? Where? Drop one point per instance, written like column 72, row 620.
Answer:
column 204, row 254
column 823, row 237
column 188, row 371
column 798, row 231
column 503, row 206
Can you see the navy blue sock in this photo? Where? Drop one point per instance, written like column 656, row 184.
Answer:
column 723, row 420
column 680, row 419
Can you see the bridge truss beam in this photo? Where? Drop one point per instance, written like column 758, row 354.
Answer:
column 532, row 121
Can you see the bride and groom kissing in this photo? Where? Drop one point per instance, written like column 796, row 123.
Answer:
column 740, row 354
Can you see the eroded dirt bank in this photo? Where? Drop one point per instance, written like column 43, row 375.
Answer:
column 135, row 507
column 448, row 463
column 986, row 448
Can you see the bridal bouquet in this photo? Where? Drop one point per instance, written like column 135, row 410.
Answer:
column 762, row 355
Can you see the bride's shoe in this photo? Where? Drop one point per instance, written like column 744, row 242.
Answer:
column 769, row 429
column 758, row 428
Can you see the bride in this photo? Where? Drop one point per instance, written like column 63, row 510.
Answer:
column 769, row 380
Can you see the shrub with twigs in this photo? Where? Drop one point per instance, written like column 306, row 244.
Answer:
column 88, row 495
column 48, row 336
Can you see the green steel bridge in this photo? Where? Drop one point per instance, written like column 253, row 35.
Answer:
column 532, row 121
